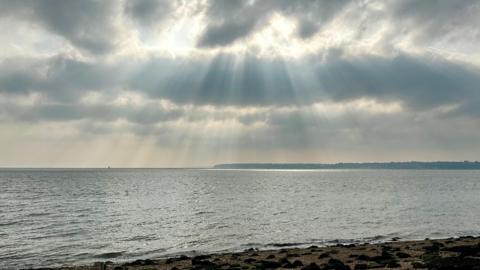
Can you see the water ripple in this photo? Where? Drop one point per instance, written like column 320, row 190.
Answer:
column 55, row 217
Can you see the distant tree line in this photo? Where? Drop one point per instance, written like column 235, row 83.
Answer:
column 410, row 165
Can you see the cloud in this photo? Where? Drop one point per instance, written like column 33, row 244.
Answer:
column 148, row 12
column 59, row 78
column 420, row 82
column 90, row 25
column 431, row 20
column 229, row 21
column 145, row 115
column 102, row 27
column 301, row 79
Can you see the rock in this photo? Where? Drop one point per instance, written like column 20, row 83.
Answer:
column 402, row 255
column 271, row 256
column 360, row 266
column 453, row 263
column 385, row 247
column 99, row 265
column 335, row 264
column 288, row 265
column 270, row 264
column 118, row 268
column 202, row 262
column 324, row 255
column 393, row 264
column 313, row 247
column 372, row 265
column 140, row 262
column 249, row 260
column 417, row 265
column 202, row 257
column 385, row 259
column 297, row 263
column 466, row 237
column 363, row 257
column 394, row 239
column 292, row 255
column 312, row 266
column 432, row 249
column 465, row 250
column 148, row 262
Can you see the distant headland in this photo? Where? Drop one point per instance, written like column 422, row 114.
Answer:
column 409, row 165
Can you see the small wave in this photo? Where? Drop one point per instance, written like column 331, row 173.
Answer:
column 204, row 213
column 110, row 255
column 153, row 252
column 57, row 235
column 38, row 214
column 141, row 238
column 285, row 244
column 9, row 223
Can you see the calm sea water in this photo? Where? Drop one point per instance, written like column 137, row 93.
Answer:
column 56, row 217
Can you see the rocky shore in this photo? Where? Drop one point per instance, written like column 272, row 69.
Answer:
column 444, row 254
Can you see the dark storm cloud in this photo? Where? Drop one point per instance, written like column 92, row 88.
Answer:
column 229, row 21
column 60, row 78
column 420, row 82
column 87, row 24
column 223, row 80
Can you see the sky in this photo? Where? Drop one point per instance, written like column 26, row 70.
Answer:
column 187, row 83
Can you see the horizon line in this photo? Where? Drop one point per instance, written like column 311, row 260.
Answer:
column 245, row 163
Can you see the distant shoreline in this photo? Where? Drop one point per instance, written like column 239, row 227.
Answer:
column 401, row 165
column 410, row 165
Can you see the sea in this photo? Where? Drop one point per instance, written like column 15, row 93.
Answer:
column 59, row 217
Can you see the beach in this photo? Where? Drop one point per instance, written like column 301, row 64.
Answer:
column 441, row 254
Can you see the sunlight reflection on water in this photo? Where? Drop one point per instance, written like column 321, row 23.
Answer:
column 51, row 217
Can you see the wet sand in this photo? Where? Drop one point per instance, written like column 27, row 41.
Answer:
column 440, row 254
